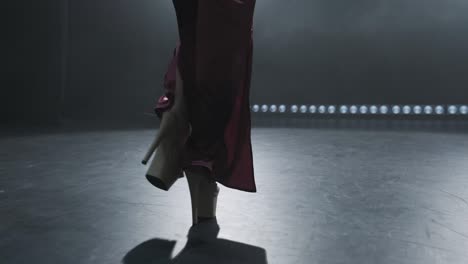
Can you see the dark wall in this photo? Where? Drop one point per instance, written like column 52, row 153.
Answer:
column 364, row 51
column 119, row 51
column 306, row 51
column 31, row 86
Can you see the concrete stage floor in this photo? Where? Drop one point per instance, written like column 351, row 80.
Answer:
column 325, row 195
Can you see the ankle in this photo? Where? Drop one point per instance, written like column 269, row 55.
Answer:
column 202, row 219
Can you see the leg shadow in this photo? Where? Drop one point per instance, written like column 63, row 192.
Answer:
column 202, row 246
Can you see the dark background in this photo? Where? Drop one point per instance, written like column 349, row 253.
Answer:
column 31, row 60
column 105, row 59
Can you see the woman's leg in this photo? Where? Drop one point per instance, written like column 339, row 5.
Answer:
column 203, row 193
column 207, row 197
column 203, row 188
column 210, row 62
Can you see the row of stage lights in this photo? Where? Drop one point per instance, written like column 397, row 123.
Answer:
column 365, row 109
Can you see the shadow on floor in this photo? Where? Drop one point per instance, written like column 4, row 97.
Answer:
column 203, row 246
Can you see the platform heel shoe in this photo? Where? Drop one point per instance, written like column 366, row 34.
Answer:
column 203, row 194
column 166, row 166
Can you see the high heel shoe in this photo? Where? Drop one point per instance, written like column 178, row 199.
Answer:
column 203, row 194
column 166, row 166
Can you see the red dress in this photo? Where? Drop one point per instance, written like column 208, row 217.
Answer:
column 214, row 57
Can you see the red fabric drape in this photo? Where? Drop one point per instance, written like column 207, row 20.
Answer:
column 214, row 56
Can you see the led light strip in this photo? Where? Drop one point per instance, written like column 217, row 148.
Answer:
column 364, row 109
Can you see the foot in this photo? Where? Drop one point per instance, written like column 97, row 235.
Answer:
column 204, row 232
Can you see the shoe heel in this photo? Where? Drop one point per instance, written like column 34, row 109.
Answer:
column 194, row 179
